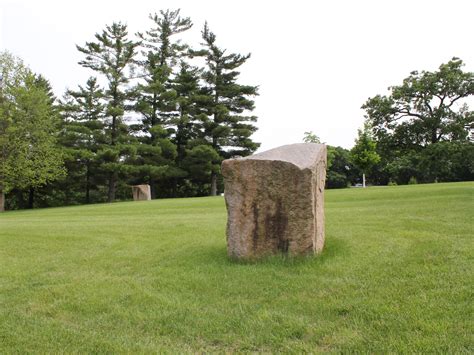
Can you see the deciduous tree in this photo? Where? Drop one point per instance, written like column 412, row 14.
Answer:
column 364, row 154
column 30, row 157
column 428, row 107
column 311, row 137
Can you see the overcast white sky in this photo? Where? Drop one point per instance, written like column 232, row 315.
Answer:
column 316, row 62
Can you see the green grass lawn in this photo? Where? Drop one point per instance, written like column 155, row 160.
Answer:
column 396, row 275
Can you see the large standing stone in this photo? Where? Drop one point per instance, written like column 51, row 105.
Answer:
column 141, row 192
column 275, row 201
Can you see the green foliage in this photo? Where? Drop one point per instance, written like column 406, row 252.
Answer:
column 181, row 108
column 227, row 126
column 422, row 111
column 191, row 102
column 364, row 154
column 83, row 139
column 341, row 172
column 310, row 137
column 412, row 181
column 13, row 73
column 156, row 114
column 33, row 157
column 422, row 127
column 159, row 102
column 29, row 156
column 442, row 161
column 447, row 161
column 112, row 55
column 156, row 99
column 201, row 161
column 395, row 276
column 335, row 180
column 167, row 115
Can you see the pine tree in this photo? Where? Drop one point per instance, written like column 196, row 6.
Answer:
column 42, row 82
column 160, row 53
column 189, row 100
column 228, row 128
column 82, row 136
column 156, row 98
column 112, row 55
column 154, row 160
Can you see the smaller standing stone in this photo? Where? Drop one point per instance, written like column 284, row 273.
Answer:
column 275, row 201
column 141, row 192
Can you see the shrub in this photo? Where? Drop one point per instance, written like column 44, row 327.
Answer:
column 336, row 180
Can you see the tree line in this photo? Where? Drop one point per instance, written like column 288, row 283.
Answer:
column 155, row 110
column 162, row 112
column 421, row 132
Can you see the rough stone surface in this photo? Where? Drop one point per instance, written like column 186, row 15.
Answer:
column 275, row 201
column 141, row 192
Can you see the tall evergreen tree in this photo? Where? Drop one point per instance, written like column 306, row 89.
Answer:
column 228, row 127
column 156, row 98
column 189, row 103
column 160, row 53
column 111, row 55
column 42, row 82
column 82, row 136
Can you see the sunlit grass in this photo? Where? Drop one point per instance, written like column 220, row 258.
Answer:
column 396, row 275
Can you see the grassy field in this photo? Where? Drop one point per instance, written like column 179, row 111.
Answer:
column 396, row 275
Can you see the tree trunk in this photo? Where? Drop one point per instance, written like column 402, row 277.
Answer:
column 2, row 199
column 174, row 189
column 214, row 145
column 88, row 184
column 213, row 184
column 20, row 199
column 112, row 186
column 363, row 180
column 31, row 197
column 152, row 188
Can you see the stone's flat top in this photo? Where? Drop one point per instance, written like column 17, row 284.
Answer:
column 303, row 155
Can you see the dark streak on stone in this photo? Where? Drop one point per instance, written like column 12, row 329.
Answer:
column 255, row 230
column 274, row 232
column 275, row 227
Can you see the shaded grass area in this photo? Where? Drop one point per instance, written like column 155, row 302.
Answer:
column 396, row 275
